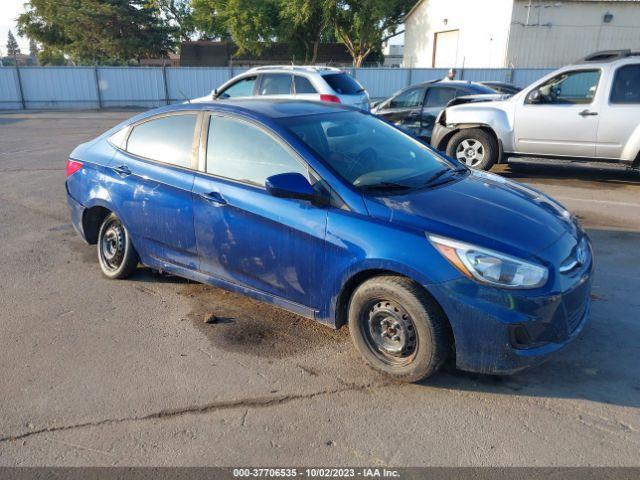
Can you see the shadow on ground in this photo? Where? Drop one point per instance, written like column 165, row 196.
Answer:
column 601, row 365
column 563, row 174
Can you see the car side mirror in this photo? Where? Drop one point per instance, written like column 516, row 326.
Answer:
column 214, row 93
column 290, row 185
column 534, row 97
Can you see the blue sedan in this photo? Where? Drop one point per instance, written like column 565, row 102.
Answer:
column 338, row 216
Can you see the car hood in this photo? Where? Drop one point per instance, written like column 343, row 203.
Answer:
column 481, row 208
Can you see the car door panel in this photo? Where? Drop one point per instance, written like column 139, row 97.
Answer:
column 619, row 115
column 251, row 238
column 156, row 207
column 436, row 100
column 566, row 128
column 404, row 110
column 245, row 235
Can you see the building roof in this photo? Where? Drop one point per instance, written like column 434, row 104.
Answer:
column 592, row 1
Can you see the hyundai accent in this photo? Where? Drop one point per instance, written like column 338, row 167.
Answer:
column 341, row 217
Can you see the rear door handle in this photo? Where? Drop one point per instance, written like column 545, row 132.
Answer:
column 213, row 197
column 122, row 170
column 587, row 113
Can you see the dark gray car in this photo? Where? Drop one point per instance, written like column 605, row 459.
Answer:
column 416, row 107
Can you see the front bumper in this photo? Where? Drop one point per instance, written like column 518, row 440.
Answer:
column 504, row 331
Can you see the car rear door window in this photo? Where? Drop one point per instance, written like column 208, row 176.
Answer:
column 626, row 85
column 242, row 88
column 439, row 96
column 275, row 84
column 412, row 97
column 241, row 151
column 343, row 83
column 167, row 139
column 303, row 85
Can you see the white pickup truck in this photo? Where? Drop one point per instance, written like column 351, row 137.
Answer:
column 587, row 112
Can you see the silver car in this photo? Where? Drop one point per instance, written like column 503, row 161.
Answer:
column 588, row 112
column 325, row 84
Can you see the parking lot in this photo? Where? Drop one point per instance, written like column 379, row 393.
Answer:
column 99, row 372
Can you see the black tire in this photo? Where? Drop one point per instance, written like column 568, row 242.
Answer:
column 478, row 141
column 116, row 254
column 398, row 301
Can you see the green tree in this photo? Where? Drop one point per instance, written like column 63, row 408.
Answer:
column 251, row 23
column 305, row 23
column 49, row 56
column 33, row 48
column 12, row 46
column 179, row 14
column 363, row 25
column 93, row 31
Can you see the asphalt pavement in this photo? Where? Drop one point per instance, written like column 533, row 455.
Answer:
column 100, row 372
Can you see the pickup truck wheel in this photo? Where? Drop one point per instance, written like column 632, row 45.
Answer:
column 473, row 147
column 116, row 255
column 398, row 329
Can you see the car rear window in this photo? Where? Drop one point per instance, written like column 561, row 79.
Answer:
column 167, row 139
column 343, row 83
column 303, row 85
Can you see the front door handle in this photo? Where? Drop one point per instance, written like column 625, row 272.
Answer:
column 122, row 170
column 587, row 113
column 213, row 197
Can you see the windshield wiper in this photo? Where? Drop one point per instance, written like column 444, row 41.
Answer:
column 431, row 180
column 385, row 186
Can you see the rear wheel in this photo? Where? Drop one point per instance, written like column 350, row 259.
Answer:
column 116, row 255
column 474, row 147
column 398, row 329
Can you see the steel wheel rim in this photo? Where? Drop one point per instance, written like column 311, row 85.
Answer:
column 389, row 332
column 113, row 245
column 470, row 152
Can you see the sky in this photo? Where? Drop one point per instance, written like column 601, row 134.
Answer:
column 9, row 10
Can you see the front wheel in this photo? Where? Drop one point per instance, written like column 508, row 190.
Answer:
column 116, row 255
column 474, row 147
column 398, row 329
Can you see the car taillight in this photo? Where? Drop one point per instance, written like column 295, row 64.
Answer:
column 329, row 98
column 73, row 166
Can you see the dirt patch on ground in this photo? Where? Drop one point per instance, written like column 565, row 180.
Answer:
column 247, row 326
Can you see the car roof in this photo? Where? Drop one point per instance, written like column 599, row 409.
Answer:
column 274, row 108
column 449, row 83
column 294, row 69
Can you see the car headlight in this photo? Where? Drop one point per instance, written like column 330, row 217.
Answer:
column 490, row 267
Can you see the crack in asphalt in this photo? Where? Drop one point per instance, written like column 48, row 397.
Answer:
column 257, row 402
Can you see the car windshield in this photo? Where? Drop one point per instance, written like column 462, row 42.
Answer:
column 369, row 153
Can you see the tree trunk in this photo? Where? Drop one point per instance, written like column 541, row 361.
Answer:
column 314, row 58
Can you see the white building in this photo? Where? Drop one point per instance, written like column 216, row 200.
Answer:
column 516, row 33
column 393, row 55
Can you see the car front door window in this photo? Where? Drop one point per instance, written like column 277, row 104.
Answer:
column 408, row 99
column 230, row 155
column 568, row 88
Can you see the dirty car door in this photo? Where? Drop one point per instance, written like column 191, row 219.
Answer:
column 246, row 236
column 152, row 178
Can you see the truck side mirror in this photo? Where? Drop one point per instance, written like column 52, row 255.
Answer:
column 534, row 97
